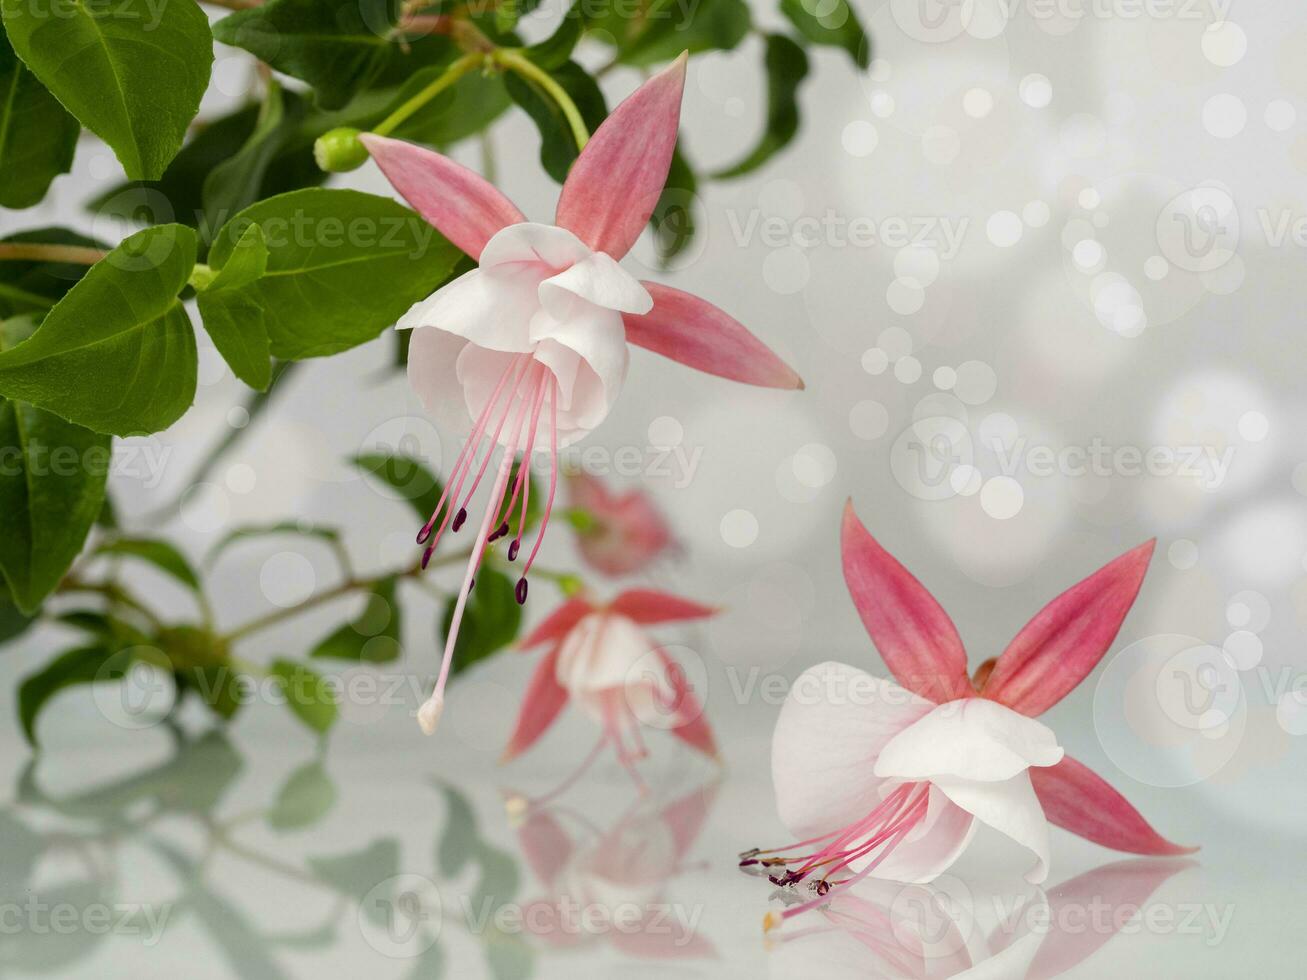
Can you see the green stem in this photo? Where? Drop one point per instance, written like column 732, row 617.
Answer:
column 451, row 75
column 32, row 252
column 260, row 623
column 515, row 61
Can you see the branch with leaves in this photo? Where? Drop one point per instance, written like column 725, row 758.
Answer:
column 97, row 339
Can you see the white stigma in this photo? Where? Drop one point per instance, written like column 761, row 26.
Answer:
column 429, row 713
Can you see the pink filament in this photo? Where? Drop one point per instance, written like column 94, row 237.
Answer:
column 530, row 381
column 465, row 458
column 553, row 473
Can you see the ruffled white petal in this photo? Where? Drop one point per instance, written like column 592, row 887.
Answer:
column 433, row 358
column 834, row 722
column 973, row 738
column 491, row 310
column 933, row 846
column 1010, row 807
column 598, row 279
column 530, row 243
column 540, row 290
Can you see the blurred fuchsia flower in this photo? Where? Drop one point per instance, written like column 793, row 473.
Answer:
column 627, row 867
column 887, row 780
column 617, row 533
column 601, row 658
column 538, row 334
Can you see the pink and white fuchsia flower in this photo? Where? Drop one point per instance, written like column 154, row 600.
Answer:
column 600, row 658
column 889, row 780
column 617, row 533
column 538, row 333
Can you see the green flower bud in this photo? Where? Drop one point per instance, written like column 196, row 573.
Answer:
column 339, row 150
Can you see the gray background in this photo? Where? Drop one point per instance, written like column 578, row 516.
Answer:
column 1120, row 178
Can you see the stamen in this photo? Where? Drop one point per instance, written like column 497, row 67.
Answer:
column 473, row 439
column 520, row 591
column 430, row 711
column 878, row 833
column 454, row 485
column 517, row 423
column 536, row 397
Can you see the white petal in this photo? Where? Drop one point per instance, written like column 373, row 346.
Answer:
column 833, row 724
column 433, row 372
column 597, row 279
column 588, row 389
column 974, row 738
column 1010, row 807
column 531, row 243
column 931, row 848
column 491, row 311
column 603, row 651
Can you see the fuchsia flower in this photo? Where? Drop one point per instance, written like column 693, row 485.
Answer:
column 622, row 532
column 538, row 333
column 890, row 781
column 600, row 658
column 881, row 929
column 625, row 867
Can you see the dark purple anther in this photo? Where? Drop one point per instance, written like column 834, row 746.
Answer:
column 499, row 532
column 472, row 584
column 513, row 549
column 459, row 518
column 823, row 887
column 520, row 591
column 426, row 556
column 424, row 533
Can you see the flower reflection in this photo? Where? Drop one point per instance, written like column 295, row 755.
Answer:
column 884, row 929
column 613, row 885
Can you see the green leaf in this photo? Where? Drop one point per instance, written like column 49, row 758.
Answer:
column 408, row 477
column 304, row 799
column 135, row 81
column 787, row 66
column 308, row 696
column 557, row 144
column 85, row 665
column 372, row 637
column 832, row 23
column 665, row 28
column 355, row 874
column 234, row 183
column 251, row 531
column 509, row 12
column 556, row 50
column 13, row 623
column 37, row 137
column 52, row 478
column 232, row 317
column 34, row 287
column 673, row 217
column 342, row 266
column 490, row 620
column 340, row 47
column 117, row 353
column 179, row 194
column 158, row 553
column 219, row 687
